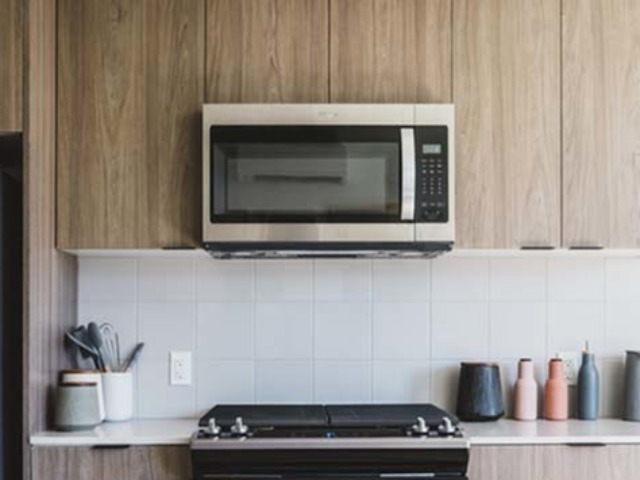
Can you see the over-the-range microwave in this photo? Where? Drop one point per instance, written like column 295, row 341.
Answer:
column 316, row 180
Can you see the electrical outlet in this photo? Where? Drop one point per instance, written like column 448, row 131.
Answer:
column 571, row 362
column 180, row 368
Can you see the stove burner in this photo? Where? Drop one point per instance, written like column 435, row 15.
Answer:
column 331, row 421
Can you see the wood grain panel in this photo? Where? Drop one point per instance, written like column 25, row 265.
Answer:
column 135, row 463
column 507, row 96
column 391, row 51
column 11, row 48
column 267, row 51
column 130, row 92
column 601, row 122
column 50, row 276
column 554, row 462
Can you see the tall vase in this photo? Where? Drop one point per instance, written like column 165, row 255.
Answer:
column 632, row 386
column 588, row 387
column 556, row 395
column 525, row 392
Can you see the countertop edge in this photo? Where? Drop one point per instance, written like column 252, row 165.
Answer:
column 164, row 432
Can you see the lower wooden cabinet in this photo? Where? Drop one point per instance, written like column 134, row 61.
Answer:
column 133, row 463
column 555, row 462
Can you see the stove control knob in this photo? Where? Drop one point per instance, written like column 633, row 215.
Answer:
column 239, row 428
column 212, row 428
column 420, row 426
column 446, row 427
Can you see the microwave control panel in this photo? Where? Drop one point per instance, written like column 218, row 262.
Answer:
column 432, row 175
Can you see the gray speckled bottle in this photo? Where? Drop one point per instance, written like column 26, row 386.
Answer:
column 588, row 388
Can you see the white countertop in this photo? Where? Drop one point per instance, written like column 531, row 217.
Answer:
column 503, row 432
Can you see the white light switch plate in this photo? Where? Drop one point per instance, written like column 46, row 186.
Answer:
column 180, row 368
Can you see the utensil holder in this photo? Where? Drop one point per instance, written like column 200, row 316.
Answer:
column 118, row 396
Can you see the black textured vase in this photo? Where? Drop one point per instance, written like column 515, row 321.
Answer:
column 479, row 392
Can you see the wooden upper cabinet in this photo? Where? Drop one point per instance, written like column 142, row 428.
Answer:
column 601, row 123
column 130, row 89
column 391, row 51
column 506, row 73
column 267, row 51
column 11, row 65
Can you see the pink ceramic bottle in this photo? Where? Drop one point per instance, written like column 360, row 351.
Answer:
column 525, row 402
column 556, row 395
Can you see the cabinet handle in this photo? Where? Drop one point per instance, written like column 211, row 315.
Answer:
column 537, row 247
column 586, row 247
column 111, row 447
column 588, row 444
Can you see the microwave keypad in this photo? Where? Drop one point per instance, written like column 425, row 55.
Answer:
column 432, row 184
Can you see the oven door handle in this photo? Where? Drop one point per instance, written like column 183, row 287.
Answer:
column 408, row 155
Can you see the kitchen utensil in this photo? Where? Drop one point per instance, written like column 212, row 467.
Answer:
column 85, row 376
column 118, row 396
column 588, row 387
column 77, row 406
column 632, row 386
column 556, row 394
column 480, row 392
column 111, row 341
column 89, row 351
column 133, row 358
column 525, row 398
column 96, row 339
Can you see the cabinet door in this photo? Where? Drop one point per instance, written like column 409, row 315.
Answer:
column 263, row 51
column 135, row 463
column 391, row 51
column 11, row 65
column 130, row 83
column 506, row 75
column 554, row 462
column 601, row 122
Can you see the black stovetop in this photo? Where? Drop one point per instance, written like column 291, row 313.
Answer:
column 327, row 416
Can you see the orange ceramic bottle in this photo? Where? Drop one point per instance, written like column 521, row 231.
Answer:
column 556, row 394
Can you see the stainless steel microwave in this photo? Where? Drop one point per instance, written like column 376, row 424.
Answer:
column 318, row 180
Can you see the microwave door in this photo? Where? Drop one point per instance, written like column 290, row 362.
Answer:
column 408, row 155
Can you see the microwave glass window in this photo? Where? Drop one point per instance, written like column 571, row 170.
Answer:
column 302, row 180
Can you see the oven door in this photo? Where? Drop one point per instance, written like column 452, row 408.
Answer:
column 311, row 184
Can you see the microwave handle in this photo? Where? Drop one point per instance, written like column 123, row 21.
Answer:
column 408, row 155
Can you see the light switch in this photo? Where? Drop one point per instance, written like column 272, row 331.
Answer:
column 180, row 368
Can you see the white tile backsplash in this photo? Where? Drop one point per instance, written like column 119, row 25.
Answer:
column 298, row 331
column 518, row 279
column 342, row 280
column 401, row 382
column 342, row 381
column 225, row 331
column 460, row 330
column 284, row 331
column 284, row 280
column 575, row 279
column 284, row 382
column 401, row 331
column 401, row 281
column 518, row 329
column 166, row 280
column 342, row 331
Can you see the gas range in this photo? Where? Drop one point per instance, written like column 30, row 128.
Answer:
column 341, row 441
